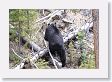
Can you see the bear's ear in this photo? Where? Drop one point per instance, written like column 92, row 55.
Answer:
column 55, row 24
column 46, row 38
column 51, row 25
column 48, row 24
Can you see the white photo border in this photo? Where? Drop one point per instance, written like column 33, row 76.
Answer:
column 102, row 72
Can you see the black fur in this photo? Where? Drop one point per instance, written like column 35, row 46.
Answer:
column 56, row 44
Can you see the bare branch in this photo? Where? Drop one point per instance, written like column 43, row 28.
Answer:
column 50, row 15
column 17, row 54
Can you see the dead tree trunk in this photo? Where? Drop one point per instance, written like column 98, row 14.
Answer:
column 95, row 13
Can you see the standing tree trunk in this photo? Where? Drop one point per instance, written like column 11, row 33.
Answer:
column 19, row 29
column 95, row 13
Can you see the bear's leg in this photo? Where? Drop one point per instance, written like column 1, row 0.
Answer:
column 61, row 53
column 52, row 51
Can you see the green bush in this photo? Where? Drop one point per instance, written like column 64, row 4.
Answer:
column 14, row 59
column 42, row 64
column 88, row 60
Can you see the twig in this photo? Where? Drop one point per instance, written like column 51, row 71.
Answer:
column 34, row 64
column 17, row 54
column 58, row 63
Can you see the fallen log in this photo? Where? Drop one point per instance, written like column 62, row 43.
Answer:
column 31, row 45
column 57, row 12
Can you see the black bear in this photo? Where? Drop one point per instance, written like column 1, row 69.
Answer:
column 56, row 44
